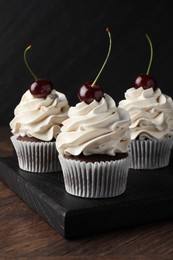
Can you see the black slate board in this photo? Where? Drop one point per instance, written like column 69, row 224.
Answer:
column 148, row 198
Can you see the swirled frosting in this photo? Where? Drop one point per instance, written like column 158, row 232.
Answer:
column 95, row 128
column 151, row 113
column 40, row 117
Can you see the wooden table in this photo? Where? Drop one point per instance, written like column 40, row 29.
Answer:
column 24, row 234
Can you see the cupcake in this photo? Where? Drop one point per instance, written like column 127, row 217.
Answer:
column 93, row 144
column 93, row 149
column 151, row 127
column 36, row 124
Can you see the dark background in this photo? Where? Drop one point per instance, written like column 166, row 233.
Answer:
column 69, row 45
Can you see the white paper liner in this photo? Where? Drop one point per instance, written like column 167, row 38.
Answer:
column 150, row 154
column 36, row 156
column 95, row 180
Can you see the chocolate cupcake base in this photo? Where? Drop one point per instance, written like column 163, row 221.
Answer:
column 150, row 154
column 36, row 156
column 102, row 179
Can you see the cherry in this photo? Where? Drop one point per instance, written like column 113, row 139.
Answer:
column 89, row 90
column 144, row 80
column 88, row 93
column 41, row 87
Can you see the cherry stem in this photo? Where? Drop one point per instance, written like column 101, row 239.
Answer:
column 32, row 73
column 151, row 53
column 110, row 45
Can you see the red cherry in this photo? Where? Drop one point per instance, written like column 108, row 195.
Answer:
column 41, row 88
column 145, row 81
column 88, row 93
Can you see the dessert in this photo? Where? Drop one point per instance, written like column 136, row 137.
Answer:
column 37, row 122
column 151, row 127
column 93, row 144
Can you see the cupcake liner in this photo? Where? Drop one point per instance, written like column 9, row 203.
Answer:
column 36, row 156
column 95, row 180
column 150, row 154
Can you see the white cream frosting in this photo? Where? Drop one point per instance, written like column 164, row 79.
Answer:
column 151, row 113
column 95, row 128
column 40, row 117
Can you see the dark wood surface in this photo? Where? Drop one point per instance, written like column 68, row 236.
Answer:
column 24, row 234
column 148, row 199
